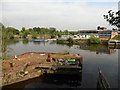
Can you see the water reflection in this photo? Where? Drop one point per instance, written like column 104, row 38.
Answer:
column 99, row 49
column 61, row 77
column 114, row 47
column 58, row 81
column 5, row 46
column 40, row 43
column 25, row 41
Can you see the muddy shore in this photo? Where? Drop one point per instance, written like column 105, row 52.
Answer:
column 23, row 67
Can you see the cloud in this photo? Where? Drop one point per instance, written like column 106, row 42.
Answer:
column 61, row 1
column 71, row 16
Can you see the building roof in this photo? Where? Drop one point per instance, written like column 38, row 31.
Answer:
column 89, row 31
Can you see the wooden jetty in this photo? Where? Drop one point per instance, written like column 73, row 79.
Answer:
column 114, row 43
column 55, row 67
column 34, row 64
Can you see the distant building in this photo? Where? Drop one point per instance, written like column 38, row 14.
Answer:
column 86, row 34
column 107, row 34
column 101, row 33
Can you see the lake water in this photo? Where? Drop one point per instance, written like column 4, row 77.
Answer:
column 94, row 56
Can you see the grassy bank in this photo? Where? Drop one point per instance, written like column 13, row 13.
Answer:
column 83, row 41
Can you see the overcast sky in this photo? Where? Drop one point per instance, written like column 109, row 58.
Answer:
column 61, row 14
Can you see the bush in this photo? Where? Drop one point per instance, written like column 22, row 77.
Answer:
column 34, row 35
column 118, row 37
column 60, row 41
column 94, row 40
column 24, row 34
column 70, row 40
column 59, row 35
column 11, row 36
column 52, row 36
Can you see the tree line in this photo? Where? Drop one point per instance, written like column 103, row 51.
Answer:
column 10, row 32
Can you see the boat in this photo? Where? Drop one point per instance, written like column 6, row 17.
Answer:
column 102, row 82
column 67, row 61
column 51, row 39
column 38, row 40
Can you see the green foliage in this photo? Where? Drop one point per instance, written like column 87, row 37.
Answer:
column 52, row 36
column 94, row 40
column 74, row 32
column 113, row 18
column 52, row 29
column 23, row 29
column 25, row 34
column 70, row 40
column 9, row 32
column 34, row 34
column 66, row 32
column 61, row 41
column 30, row 29
column 12, row 30
column 11, row 35
column 118, row 37
column 59, row 35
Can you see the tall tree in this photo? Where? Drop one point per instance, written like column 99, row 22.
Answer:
column 52, row 29
column 23, row 29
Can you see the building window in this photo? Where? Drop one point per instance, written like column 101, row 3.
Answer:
column 109, row 33
column 104, row 33
column 100, row 33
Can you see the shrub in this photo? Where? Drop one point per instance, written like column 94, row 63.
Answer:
column 59, row 35
column 118, row 37
column 94, row 40
column 34, row 35
column 52, row 36
column 25, row 34
column 70, row 40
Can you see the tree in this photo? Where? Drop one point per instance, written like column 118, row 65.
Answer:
column 23, row 29
column 94, row 40
column 34, row 34
column 25, row 34
column 59, row 35
column 52, row 29
column 66, row 32
column 30, row 29
column 113, row 18
column 70, row 40
column 118, row 37
column 53, row 36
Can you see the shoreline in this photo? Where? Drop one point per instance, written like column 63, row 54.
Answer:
column 24, row 67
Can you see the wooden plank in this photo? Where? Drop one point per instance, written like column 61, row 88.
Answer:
column 68, row 66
